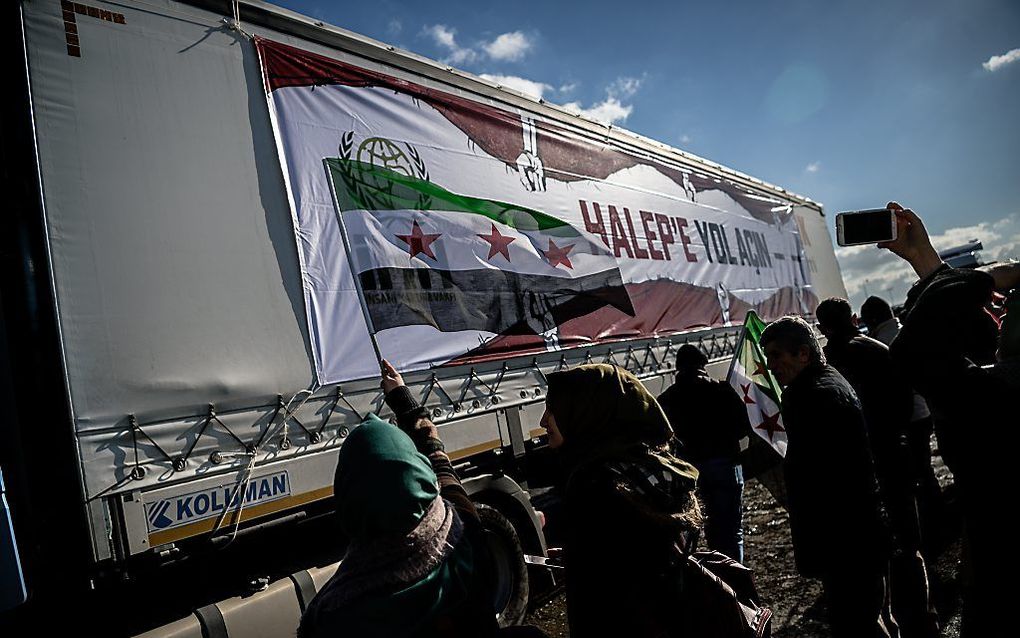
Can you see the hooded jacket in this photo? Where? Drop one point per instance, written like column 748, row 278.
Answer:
column 417, row 564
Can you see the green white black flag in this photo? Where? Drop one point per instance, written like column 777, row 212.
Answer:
column 424, row 255
column 755, row 384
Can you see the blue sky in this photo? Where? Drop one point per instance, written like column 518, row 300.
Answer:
column 849, row 103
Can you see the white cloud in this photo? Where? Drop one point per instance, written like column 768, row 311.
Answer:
column 524, row 85
column 612, row 109
column 445, row 37
column 514, row 45
column 996, row 62
column 813, row 167
column 1008, row 249
column 870, row 270
column 461, row 56
column 394, row 27
column 625, row 86
column 508, row 46
column 685, row 139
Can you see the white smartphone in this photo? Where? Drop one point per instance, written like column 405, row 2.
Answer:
column 865, row 226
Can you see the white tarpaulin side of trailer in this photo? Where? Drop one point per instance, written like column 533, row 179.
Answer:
column 823, row 269
column 172, row 247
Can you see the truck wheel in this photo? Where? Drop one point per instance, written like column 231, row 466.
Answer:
column 511, row 572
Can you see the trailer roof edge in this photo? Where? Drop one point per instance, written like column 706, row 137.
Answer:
column 293, row 23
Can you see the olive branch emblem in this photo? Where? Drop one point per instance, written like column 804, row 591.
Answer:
column 384, row 153
column 419, row 163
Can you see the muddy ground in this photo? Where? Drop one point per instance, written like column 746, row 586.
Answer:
column 796, row 602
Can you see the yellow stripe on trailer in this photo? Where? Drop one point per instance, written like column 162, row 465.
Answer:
column 474, row 449
column 248, row 513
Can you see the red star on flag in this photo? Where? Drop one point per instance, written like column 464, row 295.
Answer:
column 770, row 424
column 747, row 393
column 419, row 242
column 760, row 370
column 498, row 244
column 557, row 255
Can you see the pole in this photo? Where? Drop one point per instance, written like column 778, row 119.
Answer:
column 740, row 347
column 354, row 274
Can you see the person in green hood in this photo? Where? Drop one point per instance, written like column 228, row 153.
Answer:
column 416, row 564
column 626, row 501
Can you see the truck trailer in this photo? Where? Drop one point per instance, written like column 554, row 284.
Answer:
column 221, row 214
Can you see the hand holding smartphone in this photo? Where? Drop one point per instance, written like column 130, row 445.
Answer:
column 857, row 227
column 894, row 228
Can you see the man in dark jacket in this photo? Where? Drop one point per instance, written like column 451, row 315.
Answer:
column 709, row 419
column 975, row 404
column 887, row 402
column 884, row 326
column 836, row 518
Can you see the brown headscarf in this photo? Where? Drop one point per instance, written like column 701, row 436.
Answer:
column 602, row 410
column 606, row 415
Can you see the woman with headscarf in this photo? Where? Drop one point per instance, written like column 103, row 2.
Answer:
column 416, row 564
column 627, row 501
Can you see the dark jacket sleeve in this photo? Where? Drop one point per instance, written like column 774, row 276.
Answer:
column 943, row 330
column 939, row 347
column 413, row 419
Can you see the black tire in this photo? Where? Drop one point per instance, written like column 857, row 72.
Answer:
column 510, row 570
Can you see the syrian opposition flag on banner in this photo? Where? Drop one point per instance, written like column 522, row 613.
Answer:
column 471, row 225
column 755, row 384
column 423, row 255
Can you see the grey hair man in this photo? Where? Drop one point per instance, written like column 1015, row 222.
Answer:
column 836, row 517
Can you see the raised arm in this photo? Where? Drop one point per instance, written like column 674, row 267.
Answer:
column 912, row 243
column 413, row 419
column 943, row 321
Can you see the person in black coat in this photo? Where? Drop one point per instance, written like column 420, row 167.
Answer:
column 709, row 419
column 974, row 406
column 627, row 500
column 888, row 403
column 839, row 531
column 883, row 326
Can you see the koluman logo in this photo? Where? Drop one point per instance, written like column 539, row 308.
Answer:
column 180, row 510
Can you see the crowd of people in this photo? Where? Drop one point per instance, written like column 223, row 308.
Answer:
column 643, row 475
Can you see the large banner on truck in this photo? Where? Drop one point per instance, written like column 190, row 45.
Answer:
column 476, row 231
